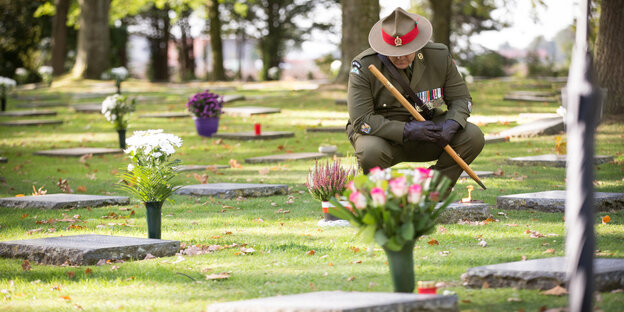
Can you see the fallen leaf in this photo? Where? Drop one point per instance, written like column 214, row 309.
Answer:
column 433, row 241
column 71, row 274
column 26, row 265
column 203, row 179
column 264, row 171
column 514, row 299
column 234, row 164
column 310, row 253
column 499, row 172
column 218, row 276
column 350, row 278
column 24, row 216
column 549, row 250
column 81, row 189
column 88, row 271
column 114, row 268
column 482, row 243
column 149, row 256
column 606, row 219
column 66, row 297
column 485, row 285
column 83, row 159
column 555, row 291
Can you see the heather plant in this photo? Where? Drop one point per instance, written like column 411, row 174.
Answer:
column 205, row 104
column 326, row 179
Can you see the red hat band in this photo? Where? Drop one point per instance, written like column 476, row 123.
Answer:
column 399, row 41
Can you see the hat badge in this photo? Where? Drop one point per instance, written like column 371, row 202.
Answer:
column 398, row 42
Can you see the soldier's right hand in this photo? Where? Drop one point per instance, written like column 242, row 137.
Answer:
column 426, row 131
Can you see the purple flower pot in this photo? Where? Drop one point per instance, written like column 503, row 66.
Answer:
column 206, row 126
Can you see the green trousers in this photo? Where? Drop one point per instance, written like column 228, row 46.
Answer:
column 372, row 151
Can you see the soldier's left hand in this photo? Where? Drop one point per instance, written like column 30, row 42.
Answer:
column 449, row 128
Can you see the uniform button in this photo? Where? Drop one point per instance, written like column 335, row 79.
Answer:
column 384, row 105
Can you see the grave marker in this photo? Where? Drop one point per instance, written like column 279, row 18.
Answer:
column 62, row 200
column 31, row 122
column 79, row 151
column 543, row 274
column 199, row 167
column 86, row 249
column 546, row 126
column 489, row 139
column 552, row 160
column 472, row 211
column 229, row 98
column 342, row 301
column 233, row 190
column 29, row 113
column 250, row 110
column 41, row 104
column 340, row 129
column 284, row 157
column 166, row 115
column 248, row 136
column 554, row 201
column 88, row 108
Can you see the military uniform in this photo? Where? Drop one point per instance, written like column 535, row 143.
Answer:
column 377, row 119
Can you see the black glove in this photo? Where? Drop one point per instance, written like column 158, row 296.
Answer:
column 426, row 131
column 449, row 128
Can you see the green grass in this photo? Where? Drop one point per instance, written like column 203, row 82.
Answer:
column 282, row 262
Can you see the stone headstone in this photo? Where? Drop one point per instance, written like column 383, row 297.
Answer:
column 472, row 211
column 250, row 110
column 90, row 95
column 199, row 167
column 340, row 129
column 524, row 118
column 529, row 98
column 481, row 174
column 547, row 126
column 532, row 93
column 552, row 160
column 31, row 122
column 63, row 200
column 489, row 139
column 233, row 190
column 543, row 274
column 166, row 115
column 342, row 301
column 229, row 98
column 284, row 157
column 29, row 113
column 86, row 249
column 88, row 108
column 79, row 151
column 3, row 160
column 341, row 101
column 247, row 136
column 554, row 201
column 41, row 104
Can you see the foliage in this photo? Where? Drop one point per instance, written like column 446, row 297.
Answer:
column 150, row 173
column 393, row 207
column 46, row 74
column 328, row 178
column 489, row 64
column 205, row 104
column 115, row 108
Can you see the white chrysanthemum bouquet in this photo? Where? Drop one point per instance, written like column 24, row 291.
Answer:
column 115, row 108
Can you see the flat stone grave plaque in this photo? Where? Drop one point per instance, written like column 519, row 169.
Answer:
column 481, row 174
column 284, row 157
column 543, row 274
column 472, row 211
column 87, row 249
column 233, row 190
column 88, row 108
column 229, row 98
column 531, row 117
column 554, row 201
column 247, row 136
column 531, row 93
column 552, row 160
column 90, row 95
column 199, row 167
column 29, row 113
column 342, row 301
column 3, row 160
column 250, row 110
column 547, row 126
column 31, row 122
column 489, row 139
column 38, row 97
column 221, row 88
column 327, row 129
column 341, row 102
column 166, row 115
column 41, row 104
column 62, row 200
column 79, row 151
column 529, row 98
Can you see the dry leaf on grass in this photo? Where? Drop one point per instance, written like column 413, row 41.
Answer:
column 606, row 219
column 217, row 276
column 26, row 265
column 555, row 291
column 433, row 242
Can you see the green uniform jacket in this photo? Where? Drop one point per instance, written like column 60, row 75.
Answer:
column 373, row 110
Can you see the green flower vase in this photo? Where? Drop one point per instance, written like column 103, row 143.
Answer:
column 401, row 264
column 153, row 218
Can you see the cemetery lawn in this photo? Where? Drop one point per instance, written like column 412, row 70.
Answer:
column 271, row 245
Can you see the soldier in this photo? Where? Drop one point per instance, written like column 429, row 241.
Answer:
column 382, row 132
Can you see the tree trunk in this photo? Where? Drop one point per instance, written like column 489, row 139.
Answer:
column 186, row 57
column 610, row 53
column 93, row 39
column 441, row 21
column 159, row 44
column 216, row 45
column 357, row 19
column 59, row 36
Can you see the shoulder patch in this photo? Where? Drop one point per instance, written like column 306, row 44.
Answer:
column 366, row 129
column 355, row 70
column 356, row 64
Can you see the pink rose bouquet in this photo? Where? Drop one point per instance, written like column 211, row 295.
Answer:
column 394, row 207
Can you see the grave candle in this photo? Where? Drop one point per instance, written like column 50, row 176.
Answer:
column 426, row 287
column 257, row 128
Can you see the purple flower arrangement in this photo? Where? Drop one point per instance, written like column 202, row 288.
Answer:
column 205, row 104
